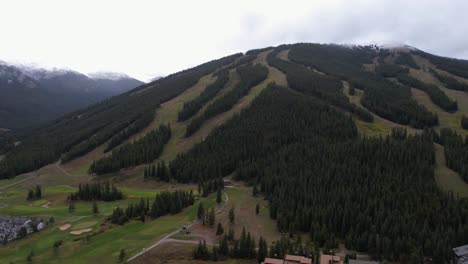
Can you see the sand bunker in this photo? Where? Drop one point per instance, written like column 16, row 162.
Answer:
column 45, row 205
column 78, row 232
column 64, row 227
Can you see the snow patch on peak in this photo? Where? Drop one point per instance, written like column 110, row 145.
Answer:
column 114, row 76
column 37, row 71
column 393, row 46
column 397, row 46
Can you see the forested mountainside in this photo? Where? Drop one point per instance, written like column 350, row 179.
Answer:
column 80, row 132
column 341, row 141
column 32, row 96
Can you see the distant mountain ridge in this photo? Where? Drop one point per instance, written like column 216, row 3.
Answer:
column 31, row 95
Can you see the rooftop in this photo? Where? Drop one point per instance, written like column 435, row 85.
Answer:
column 298, row 259
column 354, row 261
column 461, row 251
column 329, row 259
column 273, row 261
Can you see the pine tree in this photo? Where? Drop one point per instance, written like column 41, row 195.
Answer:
column 38, row 194
column 95, row 208
column 243, row 244
column 201, row 251
column 464, row 122
column 200, row 211
column 29, row 257
column 251, row 247
column 30, row 195
column 262, row 250
column 122, row 255
column 219, row 230
column 214, row 255
column 255, row 190
column 223, row 246
column 212, row 219
column 231, row 215
column 22, row 233
column 218, row 196
column 230, row 235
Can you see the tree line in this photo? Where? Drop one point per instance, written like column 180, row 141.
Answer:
column 464, row 122
column 437, row 96
column 159, row 171
column 245, row 247
column 141, row 151
column 136, row 126
column 242, row 248
column 250, row 75
column 190, row 108
column 449, row 82
column 383, row 97
column 163, row 203
column 277, row 112
column 327, row 88
column 96, row 191
column 456, row 151
column 454, row 66
column 320, row 177
column 34, row 194
column 405, row 58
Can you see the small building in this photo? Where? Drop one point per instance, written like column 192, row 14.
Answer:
column 227, row 183
column 40, row 226
column 289, row 259
column 355, row 261
column 273, row 261
column 330, row 259
column 460, row 255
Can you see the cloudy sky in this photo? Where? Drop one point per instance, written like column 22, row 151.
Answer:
column 150, row 38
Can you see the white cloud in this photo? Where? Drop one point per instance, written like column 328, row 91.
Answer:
column 146, row 38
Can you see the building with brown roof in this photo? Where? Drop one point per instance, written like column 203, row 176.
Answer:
column 460, row 255
column 330, row 259
column 273, row 261
column 355, row 261
column 289, row 259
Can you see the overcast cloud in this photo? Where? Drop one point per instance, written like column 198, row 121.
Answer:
column 148, row 38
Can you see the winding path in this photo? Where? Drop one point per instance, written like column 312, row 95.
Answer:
column 18, row 182
column 57, row 165
column 159, row 242
column 167, row 237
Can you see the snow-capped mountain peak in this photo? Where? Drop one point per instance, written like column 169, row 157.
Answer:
column 115, row 76
column 396, row 46
column 392, row 46
column 38, row 72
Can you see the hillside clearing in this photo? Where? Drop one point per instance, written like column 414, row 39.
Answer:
column 380, row 126
column 449, row 120
column 447, row 179
column 284, row 55
column 179, row 144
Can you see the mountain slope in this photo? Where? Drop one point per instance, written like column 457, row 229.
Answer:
column 335, row 139
column 311, row 69
column 78, row 133
column 31, row 96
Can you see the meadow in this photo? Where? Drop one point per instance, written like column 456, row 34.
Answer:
column 102, row 244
